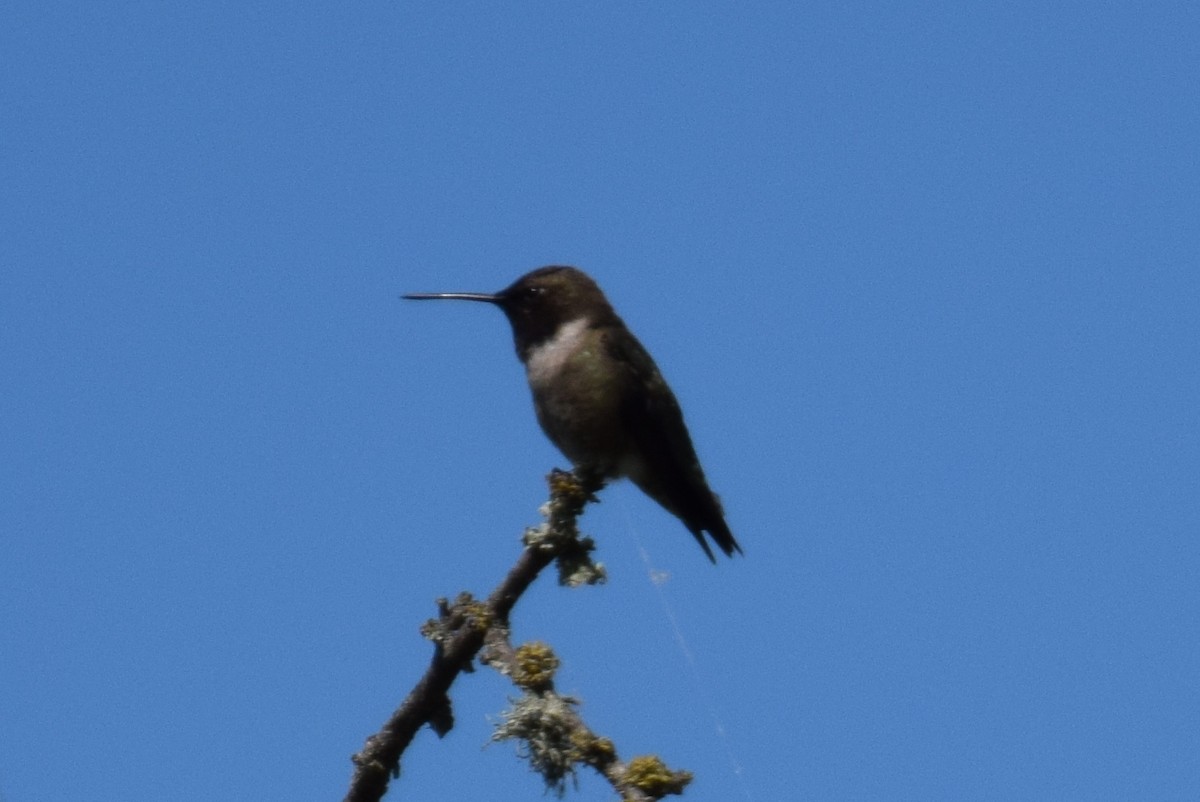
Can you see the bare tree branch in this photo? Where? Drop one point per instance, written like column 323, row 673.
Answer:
column 460, row 633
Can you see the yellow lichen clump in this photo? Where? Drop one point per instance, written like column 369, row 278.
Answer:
column 651, row 776
column 535, row 666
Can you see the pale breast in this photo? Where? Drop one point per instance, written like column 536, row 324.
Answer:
column 547, row 359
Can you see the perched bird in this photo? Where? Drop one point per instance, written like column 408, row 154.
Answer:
column 599, row 396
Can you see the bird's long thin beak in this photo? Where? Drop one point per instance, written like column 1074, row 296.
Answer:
column 490, row 298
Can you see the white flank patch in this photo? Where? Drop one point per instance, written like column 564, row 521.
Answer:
column 546, row 360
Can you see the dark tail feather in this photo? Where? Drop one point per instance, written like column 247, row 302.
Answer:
column 699, row 509
column 699, row 535
column 723, row 538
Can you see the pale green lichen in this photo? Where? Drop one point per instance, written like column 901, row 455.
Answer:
column 543, row 724
column 560, row 534
column 593, row 750
column 466, row 611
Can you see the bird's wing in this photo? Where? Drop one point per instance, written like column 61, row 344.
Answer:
column 672, row 475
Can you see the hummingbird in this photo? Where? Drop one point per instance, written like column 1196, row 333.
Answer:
column 600, row 398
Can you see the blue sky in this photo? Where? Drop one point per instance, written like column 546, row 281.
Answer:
column 924, row 277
